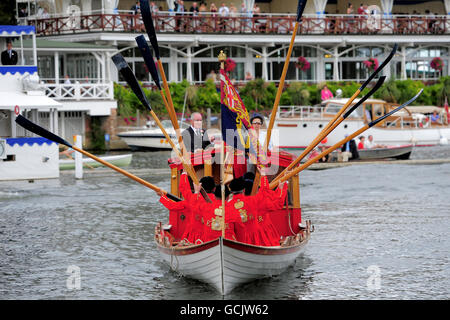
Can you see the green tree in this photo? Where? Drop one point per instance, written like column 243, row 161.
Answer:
column 7, row 12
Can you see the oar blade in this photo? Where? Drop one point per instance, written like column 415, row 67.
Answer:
column 367, row 96
column 148, row 58
column 30, row 126
column 149, row 27
column 371, row 124
column 130, row 78
column 380, row 67
column 300, row 8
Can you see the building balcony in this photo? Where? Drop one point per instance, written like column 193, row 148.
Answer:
column 262, row 24
column 79, row 91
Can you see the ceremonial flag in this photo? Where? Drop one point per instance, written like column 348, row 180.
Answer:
column 236, row 128
column 235, row 118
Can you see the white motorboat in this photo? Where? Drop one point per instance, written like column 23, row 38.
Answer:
column 152, row 138
column 298, row 125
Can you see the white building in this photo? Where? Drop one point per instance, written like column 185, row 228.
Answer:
column 335, row 43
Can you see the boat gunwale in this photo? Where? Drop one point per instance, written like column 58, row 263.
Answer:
column 244, row 247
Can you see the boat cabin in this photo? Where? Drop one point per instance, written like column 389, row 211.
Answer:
column 23, row 155
column 206, row 163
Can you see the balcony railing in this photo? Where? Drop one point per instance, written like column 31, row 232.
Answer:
column 262, row 24
column 80, row 91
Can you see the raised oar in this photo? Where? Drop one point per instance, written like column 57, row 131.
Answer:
column 150, row 28
column 321, row 135
column 300, row 8
column 325, row 133
column 130, row 78
column 30, row 126
column 273, row 184
column 363, row 86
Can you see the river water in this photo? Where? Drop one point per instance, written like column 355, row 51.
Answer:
column 381, row 232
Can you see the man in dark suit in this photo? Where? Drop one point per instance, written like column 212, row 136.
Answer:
column 194, row 137
column 9, row 56
column 348, row 150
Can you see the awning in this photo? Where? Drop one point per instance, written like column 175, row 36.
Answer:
column 9, row 100
column 16, row 30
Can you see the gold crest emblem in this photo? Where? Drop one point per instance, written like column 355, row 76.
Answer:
column 218, row 211
column 243, row 214
column 239, row 204
column 216, row 224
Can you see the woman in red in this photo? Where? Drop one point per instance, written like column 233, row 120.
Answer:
column 361, row 142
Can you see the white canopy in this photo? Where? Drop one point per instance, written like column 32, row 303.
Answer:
column 9, row 100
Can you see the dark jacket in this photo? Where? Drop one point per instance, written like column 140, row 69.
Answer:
column 353, row 149
column 193, row 141
column 9, row 61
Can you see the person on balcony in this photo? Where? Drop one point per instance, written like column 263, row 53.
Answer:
column 9, row 56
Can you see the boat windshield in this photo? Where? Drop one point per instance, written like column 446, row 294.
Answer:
column 167, row 124
column 333, row 108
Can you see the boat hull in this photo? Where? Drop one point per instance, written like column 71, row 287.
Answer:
column 118, row 160
column 225, row 264
column 401, row 152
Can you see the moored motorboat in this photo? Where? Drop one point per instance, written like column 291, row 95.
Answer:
column 150, row 139
column 122, row 160
column 298, row 125
column 390, row 152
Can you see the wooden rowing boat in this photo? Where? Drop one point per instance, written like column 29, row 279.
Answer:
column 223, row 263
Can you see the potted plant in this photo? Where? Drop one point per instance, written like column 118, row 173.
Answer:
column 371, row 64
column 302, row 64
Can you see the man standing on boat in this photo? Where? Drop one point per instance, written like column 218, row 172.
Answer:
column 9, row 56
column 194, row 137
column 348, row 150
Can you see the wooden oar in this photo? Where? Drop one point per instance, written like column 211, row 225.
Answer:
column 150, row 28
column 300, row 8
column 150, row 63
column 130, row 78
column 30, row 126
column 323, row 134
column 273, row 184
column 324, row 131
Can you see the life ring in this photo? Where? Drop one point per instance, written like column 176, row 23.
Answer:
column 17, row 110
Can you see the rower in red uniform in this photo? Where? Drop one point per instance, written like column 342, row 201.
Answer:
column 213, row 218
column 277, row 200
column 264, row 233
column 194, row 226
column 247, row 207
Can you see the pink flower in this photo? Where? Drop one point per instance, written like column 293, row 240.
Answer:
column 302, row 64
column 126, row 121
column 133, row 118
column 437, row 64
column 371, row 63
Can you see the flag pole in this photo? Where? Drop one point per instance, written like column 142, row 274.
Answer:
column 222, row 57
column 300, row 7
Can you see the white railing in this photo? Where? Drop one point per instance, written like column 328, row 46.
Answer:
column 302, row 112
column 80, row 91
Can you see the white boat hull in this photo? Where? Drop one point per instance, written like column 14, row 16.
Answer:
column 294, row 135
column 226, row 264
